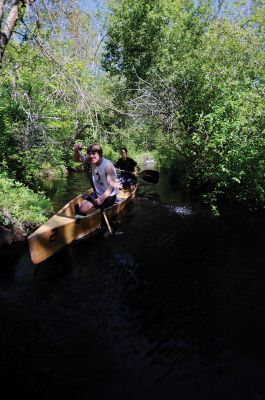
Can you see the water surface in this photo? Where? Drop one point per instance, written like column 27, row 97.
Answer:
column 172, row 306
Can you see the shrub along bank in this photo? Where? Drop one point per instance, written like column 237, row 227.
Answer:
column 21, row 209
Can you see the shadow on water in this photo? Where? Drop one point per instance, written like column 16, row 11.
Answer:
column 172, row 305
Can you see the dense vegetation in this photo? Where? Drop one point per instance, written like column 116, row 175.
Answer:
column 179, row 78
column 197, row 78
column 21, row 207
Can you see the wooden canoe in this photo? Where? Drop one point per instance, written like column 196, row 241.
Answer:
column 65, row 227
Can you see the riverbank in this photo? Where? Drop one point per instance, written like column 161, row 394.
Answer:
column 21, row 210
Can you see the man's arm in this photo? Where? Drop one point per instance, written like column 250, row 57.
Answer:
column 77, row 153
column 135, row 167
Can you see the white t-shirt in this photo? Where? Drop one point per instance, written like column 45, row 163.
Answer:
column 100, row 179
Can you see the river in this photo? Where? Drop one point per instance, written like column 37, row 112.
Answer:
column 171, row 306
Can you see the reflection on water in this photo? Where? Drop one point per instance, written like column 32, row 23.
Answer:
column 62, row 190
column 181, row 210
column 171, row 306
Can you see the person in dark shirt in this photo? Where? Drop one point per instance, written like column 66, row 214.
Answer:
column 128, row 169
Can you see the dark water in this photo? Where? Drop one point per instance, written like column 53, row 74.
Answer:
column 170, row 307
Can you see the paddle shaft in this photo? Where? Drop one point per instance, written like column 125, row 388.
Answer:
column 148, row 175
column 107, row 221
column 127, row 172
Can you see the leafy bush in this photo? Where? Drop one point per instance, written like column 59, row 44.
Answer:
column 21, row 203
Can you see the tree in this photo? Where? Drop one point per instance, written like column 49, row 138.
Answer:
column 196, row 78
column 10, row 13
column 148, row 48
column 51, row 90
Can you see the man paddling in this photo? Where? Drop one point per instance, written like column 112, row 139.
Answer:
column 104, row 178
column 128, row 169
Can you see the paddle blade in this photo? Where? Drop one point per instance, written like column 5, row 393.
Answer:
column 149, row 175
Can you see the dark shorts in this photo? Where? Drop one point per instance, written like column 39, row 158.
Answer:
column 106, row 203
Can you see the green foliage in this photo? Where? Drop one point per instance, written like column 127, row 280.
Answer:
column 137, row 138
column 127, row 52
column 227, row 142
column 37, row 163
column 183, row 82
column 43, row 106
column 199, row 90
column 110, row 153
column 22, row 203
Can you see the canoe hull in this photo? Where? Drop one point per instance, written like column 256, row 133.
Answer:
column 64, row 227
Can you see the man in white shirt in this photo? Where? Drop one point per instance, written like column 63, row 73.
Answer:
column 104, row 178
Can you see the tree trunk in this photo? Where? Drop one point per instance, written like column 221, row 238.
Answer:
column 16, row 12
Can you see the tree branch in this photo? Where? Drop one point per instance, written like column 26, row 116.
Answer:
column 16, row 12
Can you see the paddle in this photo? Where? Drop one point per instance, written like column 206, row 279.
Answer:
column 91, row 181
column 148, row 175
